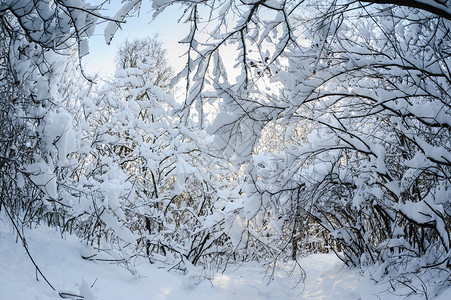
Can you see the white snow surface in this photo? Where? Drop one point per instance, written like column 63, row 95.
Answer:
column 60, row 261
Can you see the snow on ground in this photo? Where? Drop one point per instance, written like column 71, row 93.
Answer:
column 60, row 261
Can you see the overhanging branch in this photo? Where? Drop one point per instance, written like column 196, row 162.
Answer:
column 432, row 6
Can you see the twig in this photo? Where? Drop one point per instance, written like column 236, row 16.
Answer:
column 38, row 270
column 24, row 243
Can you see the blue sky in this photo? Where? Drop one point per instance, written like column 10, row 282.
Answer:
column 101, row 56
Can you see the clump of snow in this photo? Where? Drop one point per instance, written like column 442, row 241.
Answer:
column 85, row 291
column 43, row 176
column 427, row 212
column 119, row 17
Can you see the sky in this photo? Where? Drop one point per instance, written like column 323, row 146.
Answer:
column 100, row 59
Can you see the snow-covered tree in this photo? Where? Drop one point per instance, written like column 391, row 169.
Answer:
column 37, row 133
column 148, row 57
column 42, row 85
column 143, row 173
column 369, row 85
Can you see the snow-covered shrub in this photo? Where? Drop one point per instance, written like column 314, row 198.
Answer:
column 37, row 135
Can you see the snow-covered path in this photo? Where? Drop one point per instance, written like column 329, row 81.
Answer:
column 60, row 260
column 328, row 278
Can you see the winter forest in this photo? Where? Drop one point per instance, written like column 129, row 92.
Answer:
column 296, row 129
